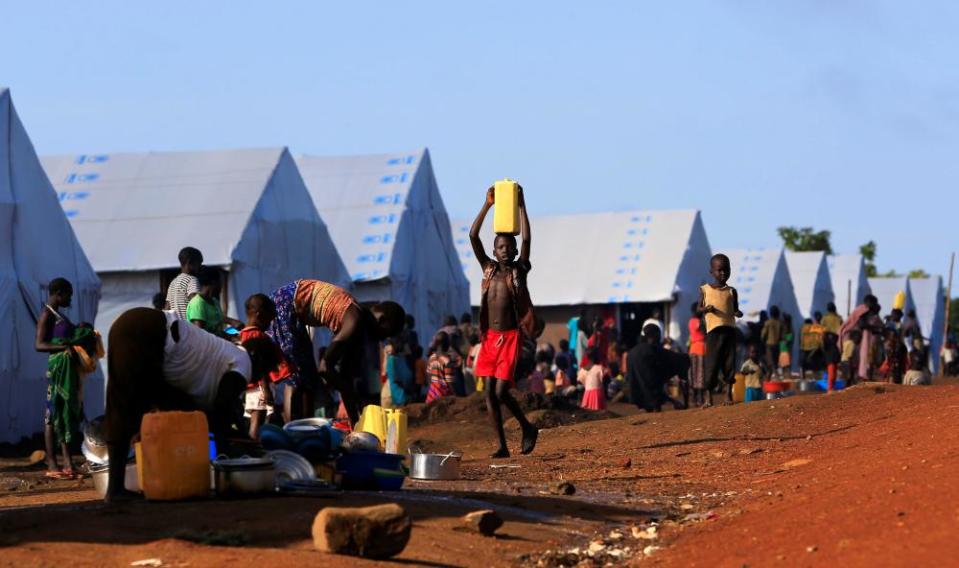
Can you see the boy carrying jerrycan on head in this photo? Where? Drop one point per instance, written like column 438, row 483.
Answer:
column 506, row 312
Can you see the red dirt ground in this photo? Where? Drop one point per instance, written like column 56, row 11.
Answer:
column 860, row 478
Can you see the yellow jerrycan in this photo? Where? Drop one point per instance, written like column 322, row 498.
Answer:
column 899, row 301
column 739, row 388
column 373, row 420
column 506, row 208
column 173, row 460
column 396, row 431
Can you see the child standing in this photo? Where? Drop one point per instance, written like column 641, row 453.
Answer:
column 772, row 334
column 848, row 362
column 441, row 368
column 786, row 347
column 186, row 285
column 506, row 313
column 203, row 310
column 755, row 372
column 719, row 303
column 261, row 397
column 697, row 351
column 831, row 358
column 591, row 377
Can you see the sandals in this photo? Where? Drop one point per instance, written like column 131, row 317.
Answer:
column 62, row 474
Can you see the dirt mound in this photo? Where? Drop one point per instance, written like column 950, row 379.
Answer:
column 543, row 411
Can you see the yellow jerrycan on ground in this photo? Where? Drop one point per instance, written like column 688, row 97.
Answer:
column 739, row 388
column 899, row 300
column 396, row 431
column 373, row 420
column 173, row 460
column 506, row 208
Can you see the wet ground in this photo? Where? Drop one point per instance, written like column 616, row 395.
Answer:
column 859, row 478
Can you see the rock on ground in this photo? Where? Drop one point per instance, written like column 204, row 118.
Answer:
column 484, row 522
column 371, row 532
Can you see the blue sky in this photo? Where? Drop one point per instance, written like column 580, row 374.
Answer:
column 842, row 115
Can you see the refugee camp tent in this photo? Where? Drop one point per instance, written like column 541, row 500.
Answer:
column 761, row 278
column 247, row 211
column 38, row 246
column 389, row 223
column 810, row 279
column 629, row 261
column 849, row 283
column 929, row 297
column 885, row 290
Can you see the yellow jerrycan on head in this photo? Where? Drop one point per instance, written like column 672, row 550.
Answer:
column 173, row 460
column 506, row 208
column 899, row 300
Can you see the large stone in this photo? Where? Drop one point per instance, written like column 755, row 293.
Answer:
column 484, row 522
column 381, row 531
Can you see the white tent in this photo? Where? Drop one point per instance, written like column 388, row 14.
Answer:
column 607, row 258
column 930, row 301
column 810, row 279
column 38, row 246
column 849, row 283
column 761, row 278
column 247, row 211
column 390, row 226
column 886, row 288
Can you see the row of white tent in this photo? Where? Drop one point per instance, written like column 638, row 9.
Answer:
column 662, row 257
column 113, row 225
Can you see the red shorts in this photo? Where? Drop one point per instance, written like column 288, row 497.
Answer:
column 498, row 355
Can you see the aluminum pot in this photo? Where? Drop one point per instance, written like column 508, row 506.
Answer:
column 806, row 386
column 101, row 479
column 244, row 476
column 436, row 467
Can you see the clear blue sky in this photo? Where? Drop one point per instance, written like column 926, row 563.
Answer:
column 839, row 114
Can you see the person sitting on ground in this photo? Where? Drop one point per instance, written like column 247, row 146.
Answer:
column 159, row 301
column 204, row 310
column 507, row 321
column 591, row 377
column 615, row 390
column 264, row 398
column 351, row 361
column 755, row 373
column 719, row 305
column 563, row 384
column 917, row 373
column 186, row 285
column 646, row 371
column 441, row 368
column 157, row 361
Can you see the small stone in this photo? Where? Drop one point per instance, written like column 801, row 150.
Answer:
column 626, row 463
column 749, row 451
column 615, row 536
column 377, row 532
column 151, row 562
column 596, row 546
column 718, row 454
column 564, row 488
column 649, row 550
column 485, row 522
column 811, row 549
column 37, row 457
column 687, row 507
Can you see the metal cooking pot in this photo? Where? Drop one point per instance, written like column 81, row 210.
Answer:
column 244, row 476
column 436, row 467
column 101, row 478
column 805, row 385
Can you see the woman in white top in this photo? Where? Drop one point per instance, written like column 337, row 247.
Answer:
column 157, row 361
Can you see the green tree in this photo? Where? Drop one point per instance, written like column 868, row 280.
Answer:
column 868, row 252
column 918, row 273
column 805, row 239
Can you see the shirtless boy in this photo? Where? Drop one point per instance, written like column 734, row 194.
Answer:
column 506, row 314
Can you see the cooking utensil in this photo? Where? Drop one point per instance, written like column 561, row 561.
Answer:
column 244, row 476
column 101, row 478
column 362, row 441
column 291, row 466
column 436, row 467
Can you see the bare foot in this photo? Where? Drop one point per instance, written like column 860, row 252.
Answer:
column 500, row 454
column 706, row 405
column 122, row 496
column 529, row 441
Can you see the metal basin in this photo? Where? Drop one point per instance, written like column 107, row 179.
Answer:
column 244, row 476
column 101, row 479
column 436, row 467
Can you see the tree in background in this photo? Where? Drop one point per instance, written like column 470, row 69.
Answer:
column 918, row 273
column 868, row 252
column 805, row 239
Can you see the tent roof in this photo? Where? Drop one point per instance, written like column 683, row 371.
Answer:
column 598, row 258
column 929, row 298
column 761, row 279
column 843, row 270
column 362, row 199
column 885, row 289
column 130, row 210
column 810, row 279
